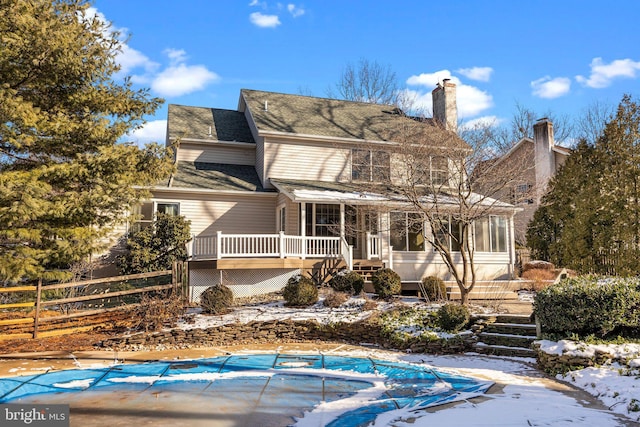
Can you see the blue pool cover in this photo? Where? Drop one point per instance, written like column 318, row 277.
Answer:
column 265, row 382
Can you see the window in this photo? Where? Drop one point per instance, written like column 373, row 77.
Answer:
column 322, row 220
column 439, row 170
column 450, row 234
column 407, row 232
column 370, row 165
column 521, row 194
column 491, row 234
column 145, row 213
column 172, row 209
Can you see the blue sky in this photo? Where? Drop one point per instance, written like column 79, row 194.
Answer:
column 559, row 56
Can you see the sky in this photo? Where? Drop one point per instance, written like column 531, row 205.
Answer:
column 545, row 55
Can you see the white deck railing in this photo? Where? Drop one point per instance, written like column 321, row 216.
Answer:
column 264, row 245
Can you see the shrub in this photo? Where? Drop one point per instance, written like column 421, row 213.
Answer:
column 347, row 281
column 335, row 299
column 540, row 277
column 537, row 265
column 453, row 317
column 300, row 291
column 386, row 283
column 434, row 288
column 155, row 312
column 589, row 305
column 216, row 299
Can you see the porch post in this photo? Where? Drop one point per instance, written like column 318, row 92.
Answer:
column 342, row 221
column 218, row 244
column 303, row 230
column 512, row 247
column 282, row 244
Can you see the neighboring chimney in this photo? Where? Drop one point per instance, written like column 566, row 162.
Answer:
column 543, row 144
column 445, row 109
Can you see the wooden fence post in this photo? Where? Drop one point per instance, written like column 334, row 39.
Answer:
column 37, row 315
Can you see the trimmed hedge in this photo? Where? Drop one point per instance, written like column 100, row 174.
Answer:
column 453, row 317
column 386, row 283
column 434, row 288
column 347, row 281
column 590, row 306
column 300, row 291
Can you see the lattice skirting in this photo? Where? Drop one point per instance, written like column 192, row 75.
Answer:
column 243, row 283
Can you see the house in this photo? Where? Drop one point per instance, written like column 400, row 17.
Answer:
column 285, row 185
column 538, row 160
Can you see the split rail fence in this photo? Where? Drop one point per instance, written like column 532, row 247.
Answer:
column 32, row 311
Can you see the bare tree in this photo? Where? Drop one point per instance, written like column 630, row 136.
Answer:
column 592, row 121
column 436, row 178
column 368, row 81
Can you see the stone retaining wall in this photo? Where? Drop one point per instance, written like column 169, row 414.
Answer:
column 562, row 363
column 276, row 332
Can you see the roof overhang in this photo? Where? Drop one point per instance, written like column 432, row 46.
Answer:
column 364, row 194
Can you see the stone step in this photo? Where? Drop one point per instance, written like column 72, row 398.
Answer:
column 483, row 292
column 500, row 350
column 514, row 318
column 506, row 340
column 511, row 329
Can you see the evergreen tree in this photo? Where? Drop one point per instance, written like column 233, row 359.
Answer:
column 590, row 218
column 64, row 179
column 156, row 247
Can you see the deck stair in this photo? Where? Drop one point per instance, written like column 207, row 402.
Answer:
column 366, row 268
column 506, row 335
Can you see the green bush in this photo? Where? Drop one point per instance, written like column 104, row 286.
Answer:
column 386, row 283
column 347, row 281
column 434, row 288
column 216, row 299
column 453, row 317
column 300, row 291
column 588, row 305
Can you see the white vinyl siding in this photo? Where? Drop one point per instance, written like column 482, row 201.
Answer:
column 227, row 213
column 307, row 162
column 213, row 153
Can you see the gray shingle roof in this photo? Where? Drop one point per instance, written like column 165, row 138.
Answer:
column 195, row 122
column 216, row 176
column 332, row 117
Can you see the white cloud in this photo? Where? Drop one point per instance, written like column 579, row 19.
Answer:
column 153, row 131
column 481, row 74
column 549, row 88
column 179, row 78
column 471, row 101
column 603, row 74
column 254, row 3
column 264, row 21
column 294, row 10
column 482, row 122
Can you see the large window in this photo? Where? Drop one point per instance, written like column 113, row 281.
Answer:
column 449, row 233
column 370, row 165
column 491, row 234
column 407, row 232
column 322, row 219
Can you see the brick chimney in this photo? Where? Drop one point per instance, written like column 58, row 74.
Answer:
column 543, row 144
column 445, row 109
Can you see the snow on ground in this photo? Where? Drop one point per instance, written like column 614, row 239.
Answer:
column 526, row 399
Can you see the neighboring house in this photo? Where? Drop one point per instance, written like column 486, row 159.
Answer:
column 538, row 160
column 283, row 186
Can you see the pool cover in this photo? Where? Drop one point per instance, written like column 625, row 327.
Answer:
column 284, row 389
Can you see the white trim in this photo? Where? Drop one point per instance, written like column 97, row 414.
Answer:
column 209, row 142
column 207, row 191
